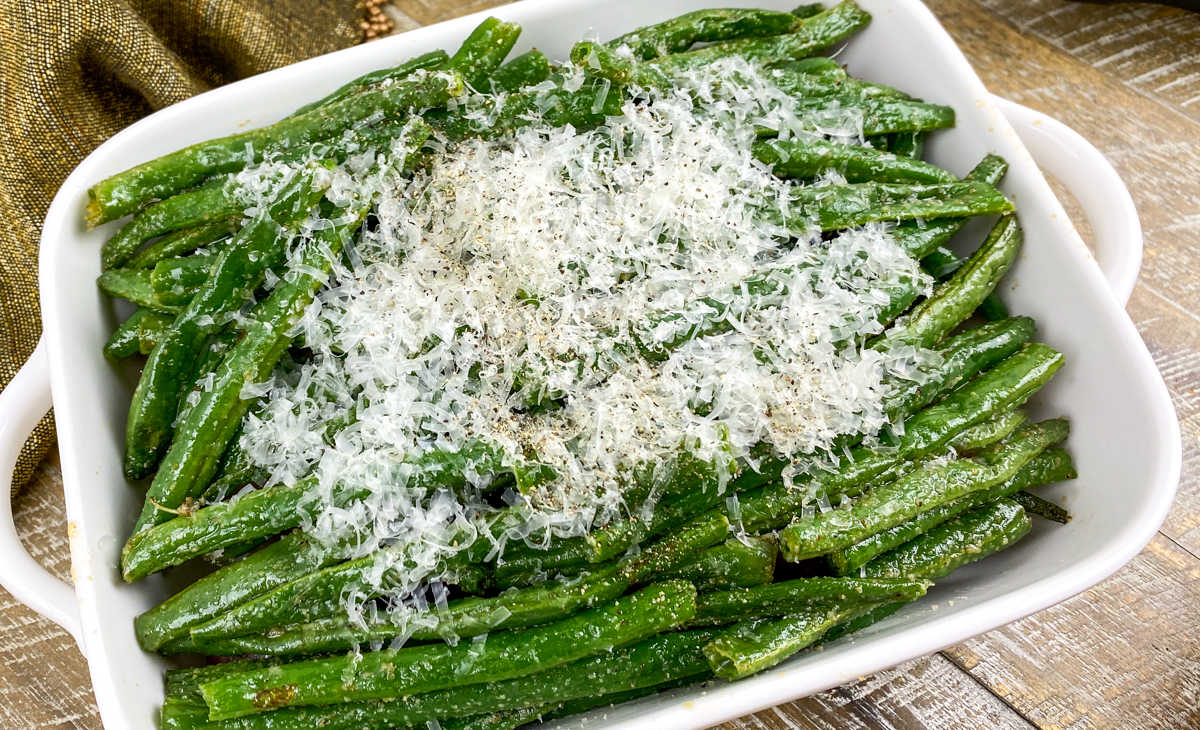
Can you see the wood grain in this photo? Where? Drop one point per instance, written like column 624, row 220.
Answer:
column 1123, row 654
column 1125, row 649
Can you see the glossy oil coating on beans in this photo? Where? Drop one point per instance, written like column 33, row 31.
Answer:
column 753, row 646
column 1048, row 467
column 149, row 427
column 124, row 341
column 792, row 158
column 231, row 634
column 809, row 35
column 989, row 432
column 654, row 662
column 787, row 597
column 276, row 564
column 530, row 68
column 433, row 59
column 703, row 26
column 182, row 242
column 964, row 539
column 737, row 563
column 398, row 673
column 926, row 488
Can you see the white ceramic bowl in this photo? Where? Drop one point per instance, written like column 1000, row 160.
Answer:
column 1126, row 439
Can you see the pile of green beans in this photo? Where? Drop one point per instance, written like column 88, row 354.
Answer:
column 680, row 591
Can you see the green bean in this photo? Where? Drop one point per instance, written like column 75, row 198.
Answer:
column 212, row 354
column 509, row 720
column 464, row 617
column 941, row 263
column 807, row 80
column 929, row 487
column 989, row 432
column 703, row 26
column 208, row 204
column 133, row 285
column 663, row 659
column 823, row 67
column 875, row 114
column 920, row 238
column 239, row 269
column 615, row 538
column 1052, row 465
column 691, row 487
column 808, row 36
column 962, row 356
column 218, row 200
column 281, row 507
column 813, row 84
column 1045, row 509
column 431, row 60
column 273, row 565
column 753, row 646
column 505, row 655
column 125, row 339
column 124, row 192
column 954, row 301
column 175, row 281
column 528, row 69
column 908, row 144
column 1004, row 387
column 707, row 315
column 583, row 108
column 787, row 597
column 236, row 470
column 736, row 563
column 483, row 51
column 701, row 532
column 207, row 427
column 834, row 207
column 807, row 10
column 320, row 593
column 183, row 683
column 562, row 557
column 992, row 308
column 969, row 537
column 150, row 331
column 182, row 242
column 801, row 159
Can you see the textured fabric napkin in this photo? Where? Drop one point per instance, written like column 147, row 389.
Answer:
column 74, row 73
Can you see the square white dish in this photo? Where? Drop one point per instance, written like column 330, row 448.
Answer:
column 1125, row 437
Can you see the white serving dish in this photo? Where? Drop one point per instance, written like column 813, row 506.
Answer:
column 1126, row 437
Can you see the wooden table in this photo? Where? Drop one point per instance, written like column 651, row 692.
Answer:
column 1125, row 654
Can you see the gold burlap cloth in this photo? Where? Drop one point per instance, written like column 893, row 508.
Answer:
column 73, row 73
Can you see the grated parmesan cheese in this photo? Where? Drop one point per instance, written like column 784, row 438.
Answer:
column 526, row 267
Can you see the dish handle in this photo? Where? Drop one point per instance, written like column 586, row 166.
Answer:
column 1083, row 169
column 22, row 405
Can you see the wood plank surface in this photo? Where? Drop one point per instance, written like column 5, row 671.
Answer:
column 1125, row 654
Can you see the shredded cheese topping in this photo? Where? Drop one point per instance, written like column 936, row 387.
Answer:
column 501, row 302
